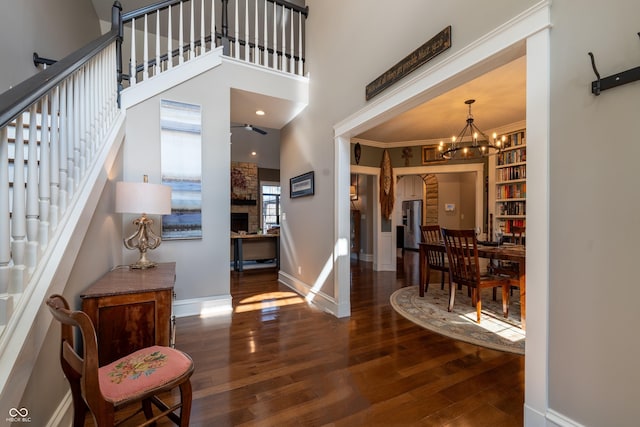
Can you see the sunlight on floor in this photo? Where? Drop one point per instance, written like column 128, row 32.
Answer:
column 500, row 327
column 268, row 302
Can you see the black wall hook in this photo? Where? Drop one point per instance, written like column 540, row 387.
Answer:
column 614, row 80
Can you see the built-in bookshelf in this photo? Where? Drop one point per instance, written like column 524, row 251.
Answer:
column 511, row 184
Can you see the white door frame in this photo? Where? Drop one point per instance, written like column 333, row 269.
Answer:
column 527, row 32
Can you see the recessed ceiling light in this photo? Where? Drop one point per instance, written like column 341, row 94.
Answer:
column 253, row 153
column 260, row 113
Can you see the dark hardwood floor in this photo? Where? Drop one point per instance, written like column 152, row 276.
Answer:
column 276, row 361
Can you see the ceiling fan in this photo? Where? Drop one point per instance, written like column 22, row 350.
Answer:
column 251, row 127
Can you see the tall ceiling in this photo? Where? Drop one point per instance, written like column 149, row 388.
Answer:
column 499, row 94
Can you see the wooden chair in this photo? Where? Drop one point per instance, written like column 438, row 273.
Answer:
column 136, row 378
column 436, row 258
column 464, row 267
column 431, row 233
column 507, row 268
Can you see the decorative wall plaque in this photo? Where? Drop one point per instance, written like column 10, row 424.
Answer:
column 438, row 44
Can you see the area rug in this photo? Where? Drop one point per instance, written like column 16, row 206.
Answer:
column 494, row 331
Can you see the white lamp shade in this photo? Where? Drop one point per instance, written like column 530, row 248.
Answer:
column 142, row 197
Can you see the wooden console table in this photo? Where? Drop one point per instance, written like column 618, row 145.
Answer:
column 131, row 309
column 252, row 247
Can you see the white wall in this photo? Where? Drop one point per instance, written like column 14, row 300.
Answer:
column 52, row 28
column 202, row 265
column 595, row 215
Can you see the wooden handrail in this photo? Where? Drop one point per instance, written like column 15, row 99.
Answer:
column 17, row 99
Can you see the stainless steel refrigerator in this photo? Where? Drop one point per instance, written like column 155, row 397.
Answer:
column 412, row 220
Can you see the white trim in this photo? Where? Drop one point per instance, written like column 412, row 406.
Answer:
column 152, row 86
column 316, row 298
column 538, row 184
column 200, row 306
column 63, row 415
column 557, row 419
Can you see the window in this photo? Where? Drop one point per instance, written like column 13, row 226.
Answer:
column 270, row 197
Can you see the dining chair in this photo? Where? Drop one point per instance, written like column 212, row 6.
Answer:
column 435, row 257
column 136, row 378
column 464, row 267
column 508, row 268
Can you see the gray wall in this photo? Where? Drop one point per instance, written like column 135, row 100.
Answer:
column 202, row 265
column 52, row 28
column 595, row 215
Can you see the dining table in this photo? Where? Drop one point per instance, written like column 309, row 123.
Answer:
column 492, row 251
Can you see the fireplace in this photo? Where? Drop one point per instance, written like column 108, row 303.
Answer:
column 239, row 221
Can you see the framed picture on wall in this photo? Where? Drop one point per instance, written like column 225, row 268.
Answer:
column 301, row 185
column 181, row 167
column 431, row 154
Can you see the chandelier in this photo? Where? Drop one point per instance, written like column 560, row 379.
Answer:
column 471, row 142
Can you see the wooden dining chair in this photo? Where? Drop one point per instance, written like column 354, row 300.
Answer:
column 435, row 256
column 431, row 233
column 136, row 378
column 508, row 268
column 464, row 267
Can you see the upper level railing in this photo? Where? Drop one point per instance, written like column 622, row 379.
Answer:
column 268, row 33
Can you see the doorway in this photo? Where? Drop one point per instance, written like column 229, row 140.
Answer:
column 532, row 31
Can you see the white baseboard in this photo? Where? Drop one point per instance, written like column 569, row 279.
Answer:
column 207, row 306
column 556, row 419
column 319, row 299
column 63, row 415
column 533, row 418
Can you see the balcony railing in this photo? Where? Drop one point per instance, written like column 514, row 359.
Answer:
column 267, row 33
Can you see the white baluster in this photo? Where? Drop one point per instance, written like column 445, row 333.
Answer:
column 145, row 49
column 192, row 34
column 5, row 240
column 275, row 36
column 283, row 64
column 54, row 172
column 237, row 34
column 265, row 54
column 18, row 220
column 132, row 61
column 82, row 120
column 300, row 62
column 32, row 211
column 74, row 150
column 43, row 183
column 203, row 43
column 169, row 39
column 247, row 48
column 213, row 24
column 292, row 65
column 64, row 173
column 180, row 36
column 158, row 66
column 256, row 51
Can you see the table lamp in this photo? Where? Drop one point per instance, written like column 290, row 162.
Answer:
column 145, row 199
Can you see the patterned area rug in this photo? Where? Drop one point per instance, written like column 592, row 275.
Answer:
column 494, row 331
